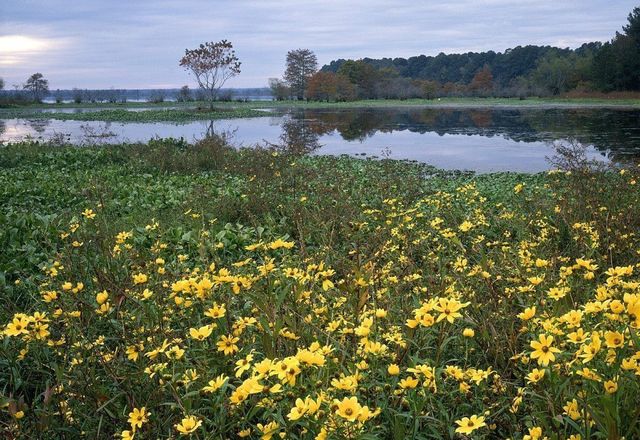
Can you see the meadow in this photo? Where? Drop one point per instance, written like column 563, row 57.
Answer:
column 168, row 290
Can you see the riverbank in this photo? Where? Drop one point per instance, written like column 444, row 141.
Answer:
column 379, row 103
column 313, row 294
column 186, row 111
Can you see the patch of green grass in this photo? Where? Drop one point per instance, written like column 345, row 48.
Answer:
column 123, row 115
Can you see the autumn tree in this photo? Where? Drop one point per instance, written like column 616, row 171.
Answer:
column 328, row 86
column 212, row 64
column 301, row 64
column 482, row 82
column 37, row 86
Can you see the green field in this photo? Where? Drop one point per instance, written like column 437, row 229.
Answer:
column 164, row 289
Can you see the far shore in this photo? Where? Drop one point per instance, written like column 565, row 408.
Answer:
column 534, row 102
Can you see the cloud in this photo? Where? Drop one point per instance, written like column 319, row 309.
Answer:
column 121, row 43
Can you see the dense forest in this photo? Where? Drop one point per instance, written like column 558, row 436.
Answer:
column 521, row 71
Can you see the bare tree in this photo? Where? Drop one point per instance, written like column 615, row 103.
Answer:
column 212, row 64
column 37, row 85
column 301, row 64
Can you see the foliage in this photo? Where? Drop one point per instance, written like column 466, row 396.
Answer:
column 328, row 86
column 520, row 71
column 172, row 289
column 617, row 64
column 123, row 115
column 279, row 89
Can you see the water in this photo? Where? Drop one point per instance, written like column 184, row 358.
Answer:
column 483, row 140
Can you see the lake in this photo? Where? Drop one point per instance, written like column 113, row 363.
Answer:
column 479, row 139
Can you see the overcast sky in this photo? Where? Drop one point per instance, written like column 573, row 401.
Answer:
column 137, row 43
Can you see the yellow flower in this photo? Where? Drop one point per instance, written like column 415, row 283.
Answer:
column 18, row 326
column 528, row 313
column 243, row 365
column 188, row 425
column 610, row 386
column 133, row 351
column 137, row 417
column 201, row 333
column 139, row 278
column 409, row 382
column 614, row 339
column 268, row 430
column 227, row 344
column 535, row 433
column 88, row 214
column 279, row 243
column 393, row 370
column 348, row 408
column 127, row 435
column 449, row 309
column 543, row 351
column 571, row 409
column 467, row 425
column 102, row 297
column 468, row 333
column 215, row 384
column 215, row 312
column 535, row 375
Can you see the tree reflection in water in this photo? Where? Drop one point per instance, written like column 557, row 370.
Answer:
column 299, row 137
column 615, row 133
column 39, row 125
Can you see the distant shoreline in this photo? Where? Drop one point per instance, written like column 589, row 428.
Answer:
column 438, row 102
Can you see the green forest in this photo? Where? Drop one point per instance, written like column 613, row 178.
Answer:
column 531, row 70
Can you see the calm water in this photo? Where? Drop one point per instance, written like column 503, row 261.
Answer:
column 477, row 139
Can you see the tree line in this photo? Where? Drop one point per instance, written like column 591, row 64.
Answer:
column 522, row 71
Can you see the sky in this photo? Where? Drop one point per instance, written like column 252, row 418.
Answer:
column 137, row 43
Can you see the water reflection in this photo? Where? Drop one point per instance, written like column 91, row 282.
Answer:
column 298, row 137
column 39, row 125
column 454, row 138
column 615, row 133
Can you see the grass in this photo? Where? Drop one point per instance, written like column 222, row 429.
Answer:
column 182, row 111
column 123, row 115
column 169, row 289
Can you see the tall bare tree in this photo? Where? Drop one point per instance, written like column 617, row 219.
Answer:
column 212, row 64
column 301, row 64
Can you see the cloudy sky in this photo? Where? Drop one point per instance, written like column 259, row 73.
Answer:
column 137, row 43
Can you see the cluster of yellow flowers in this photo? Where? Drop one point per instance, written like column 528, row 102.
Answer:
column 431, row 322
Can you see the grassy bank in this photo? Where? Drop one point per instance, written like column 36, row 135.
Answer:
column 184, row 112
column 124, row 115
column 189, row 110
column 169, row 289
